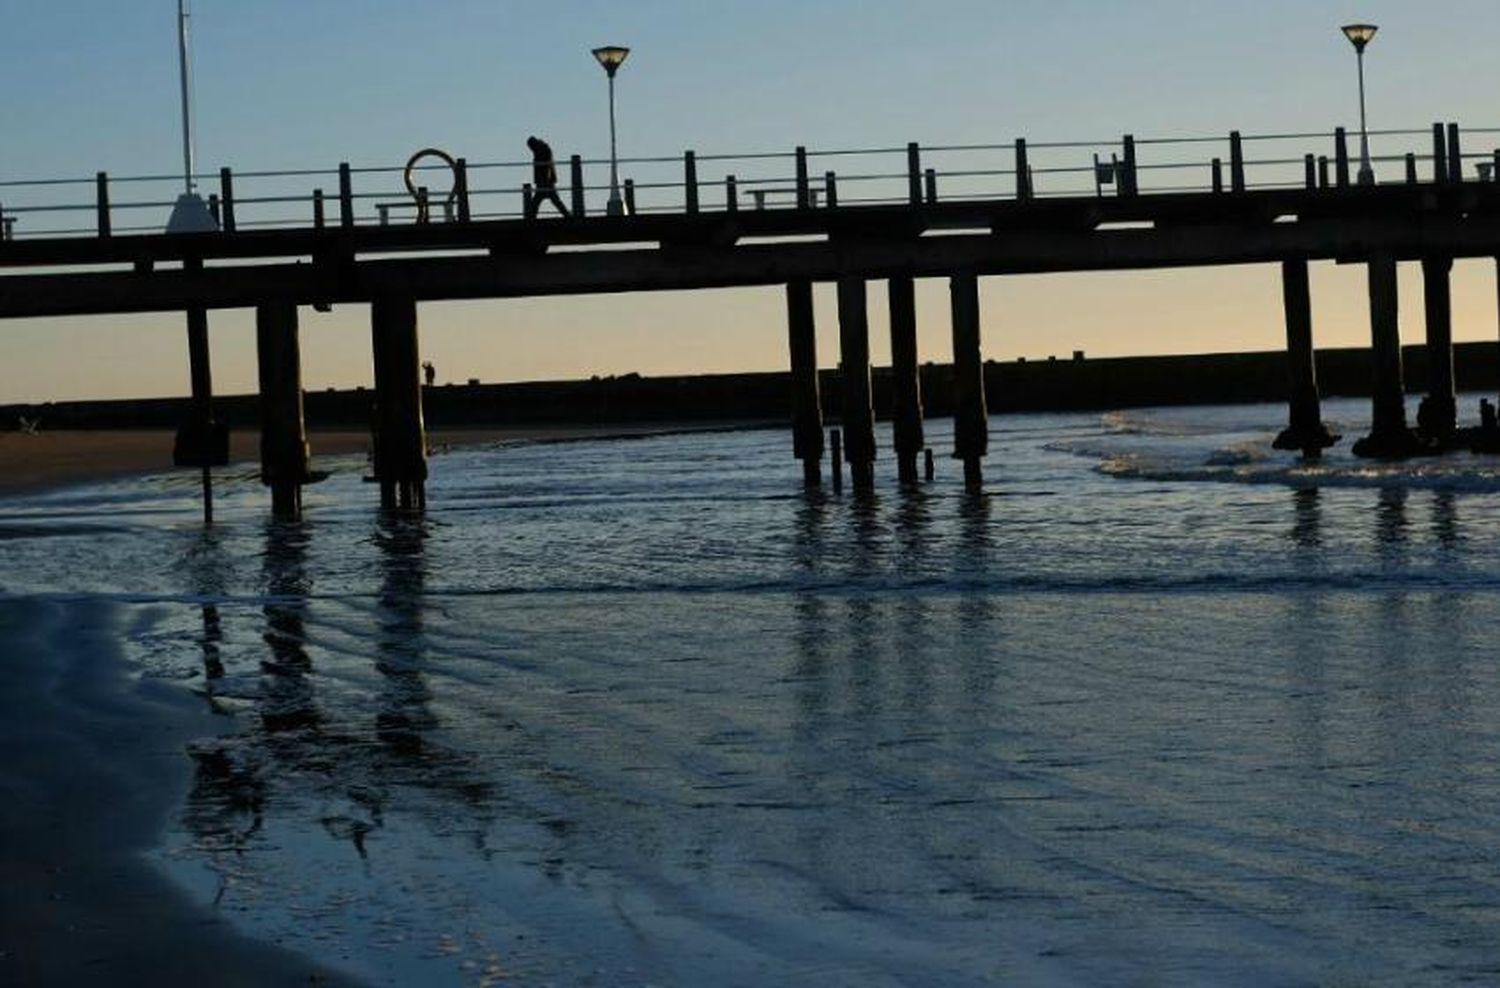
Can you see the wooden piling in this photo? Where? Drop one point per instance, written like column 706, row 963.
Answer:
column 804, row 193
column 1310, row 171
column 1024, row 190
column 575, row 180
column 731, row 194
column 226, row 200
column 101, row 202
column 690, row 181
column 1440, row 415
column 320, row 219
column 1236, row 162
column 461, row 189
column 970, row 415
column 906, row 382
column 1411, row 168
column 1305, row 430
column 1322, row 171
column 346, row 196
column 859, row 410
column 1455, row 156
column 831, row 189
column 630, row 197
column 1439, row 155
column 1389, row 435
column 807, row 403
column 1127, row 181
column 929, row 186
column 1340, row 157
column 929, row 469
column 283, row 429
column 400, row 438
column 1217, row 174
column 913, row 173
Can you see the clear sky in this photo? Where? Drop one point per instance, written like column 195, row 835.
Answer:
column 91, row 85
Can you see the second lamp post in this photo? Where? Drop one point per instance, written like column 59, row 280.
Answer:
column 1359, row 35
column 611, row 57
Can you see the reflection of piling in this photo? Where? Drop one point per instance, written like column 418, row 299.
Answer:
column 1305, row 430
column 400, row 440
column 1439, row 416
column 1389, row 435
column 928, row 469
column 970, row 417
column 283, row 430
column 859, row 412
column 836, row 461
column 906, row 384
column 807, row 405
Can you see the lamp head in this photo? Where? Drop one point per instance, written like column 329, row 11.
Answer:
column 611, row 57
column 1359, row 35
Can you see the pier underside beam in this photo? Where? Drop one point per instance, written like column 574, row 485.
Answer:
column 1438, row 418
column 971, row 431
column 1389, row 435
column 858, row 412
column 400, row 438
column 283, row 428
column 807, row 403
column 906, row 383
column 1305, row 430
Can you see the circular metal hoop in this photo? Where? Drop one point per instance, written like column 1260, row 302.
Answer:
column 447, row 159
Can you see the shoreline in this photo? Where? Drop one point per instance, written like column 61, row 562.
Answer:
column 93, row 768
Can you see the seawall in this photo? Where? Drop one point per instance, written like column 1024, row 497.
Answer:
column 1048, row 385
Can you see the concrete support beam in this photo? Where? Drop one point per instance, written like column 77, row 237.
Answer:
column 906, row 382
column 1389, row 435
column 859, row 411
column 807, row 404
column 971, row 431
column 1305, row 430
column 283, row 429
column 400, row 438
column 1438, row 416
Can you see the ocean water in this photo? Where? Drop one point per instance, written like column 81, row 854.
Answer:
column 1157, row 706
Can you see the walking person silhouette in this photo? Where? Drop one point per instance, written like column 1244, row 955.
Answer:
column 543, row 178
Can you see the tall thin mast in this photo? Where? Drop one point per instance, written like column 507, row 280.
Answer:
column 187, row 99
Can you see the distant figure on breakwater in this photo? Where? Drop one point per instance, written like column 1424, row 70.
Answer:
column 429, row 374
column 543, row 178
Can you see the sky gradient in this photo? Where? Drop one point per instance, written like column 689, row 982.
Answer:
column 92, row 85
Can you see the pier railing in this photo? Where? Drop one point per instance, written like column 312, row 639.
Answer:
column 432, row 191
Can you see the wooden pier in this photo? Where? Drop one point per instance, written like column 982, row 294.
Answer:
column 451, row 249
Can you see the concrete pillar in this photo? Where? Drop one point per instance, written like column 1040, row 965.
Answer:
column 906, row 382
column 1439, row 415
column 807, row 404
column 1389, row 435
column 971, row 431
column 400, row 439
column 1305, row 430
column 859, row 412
column 283, row 429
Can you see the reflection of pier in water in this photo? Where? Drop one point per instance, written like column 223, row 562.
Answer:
column 316, row 737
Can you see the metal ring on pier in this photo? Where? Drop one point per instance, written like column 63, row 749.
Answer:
column 411, row 164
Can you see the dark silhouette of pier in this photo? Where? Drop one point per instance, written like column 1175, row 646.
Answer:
column 996, row 221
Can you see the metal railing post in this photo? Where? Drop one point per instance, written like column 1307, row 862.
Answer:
column 914, row 173
column 346, row 196
column 690, row 181
column 803, row 197
column 226, row 201
column 101, row 199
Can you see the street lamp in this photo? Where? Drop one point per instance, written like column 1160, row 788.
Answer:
column 612, row 57
column 1359, row 35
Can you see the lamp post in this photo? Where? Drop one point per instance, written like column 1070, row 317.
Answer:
column 1359, row 35
column 612, row 57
